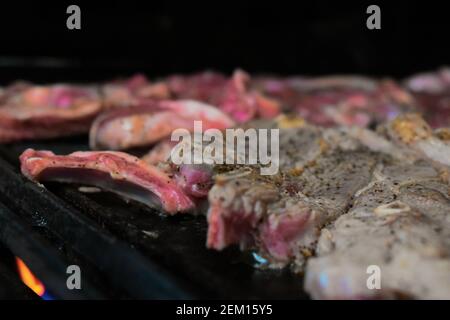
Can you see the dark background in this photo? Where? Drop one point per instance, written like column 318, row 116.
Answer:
column 162, row 37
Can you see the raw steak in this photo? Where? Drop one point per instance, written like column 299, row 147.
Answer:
column 432, row 92
column 338, row 100
column 118, row 172
column 234, row 96
column 149, row 123
column 40, row 112
column 133, row 91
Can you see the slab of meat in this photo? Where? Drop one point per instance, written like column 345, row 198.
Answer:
column 338, row 100
column 159, row 153
column 413, row 132
column 400, row 223
column 195, row 179
column 241, row 199
column 432, row 92
column 117, row 172
column 132, row 91
column 234, row 96
column 204, row 86
column 280, row 216
column 198, row 179
column 39, row 112
column 149, row 123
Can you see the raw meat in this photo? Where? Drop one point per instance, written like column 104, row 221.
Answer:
column 40, row 112
column 149, row 123
column 234, row 96
column 117, row 172
column 432, row 92
column 338, row 100
column 133, row 91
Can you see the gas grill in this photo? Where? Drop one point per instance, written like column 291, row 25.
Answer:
column 124, row 249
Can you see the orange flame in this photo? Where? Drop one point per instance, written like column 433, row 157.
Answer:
column 29, row 278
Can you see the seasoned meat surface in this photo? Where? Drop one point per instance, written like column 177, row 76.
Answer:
column 401, row 224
